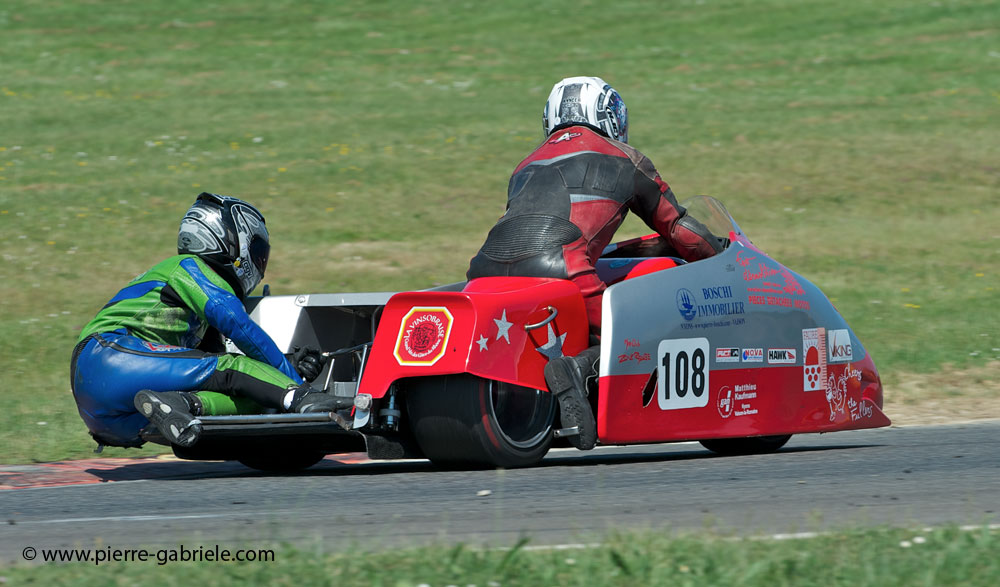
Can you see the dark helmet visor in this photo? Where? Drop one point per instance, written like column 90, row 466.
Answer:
column 259, row 250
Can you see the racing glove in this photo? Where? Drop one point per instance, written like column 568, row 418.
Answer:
column 308, row 361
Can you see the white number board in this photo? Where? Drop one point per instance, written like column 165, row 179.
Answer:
column 682, row 373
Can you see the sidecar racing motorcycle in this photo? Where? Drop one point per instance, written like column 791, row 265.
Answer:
column 736, row 351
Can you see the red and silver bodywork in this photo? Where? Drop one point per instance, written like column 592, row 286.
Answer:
column 735, row 345
column 479, row 330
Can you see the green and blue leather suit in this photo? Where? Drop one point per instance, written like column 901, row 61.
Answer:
column 156, row 334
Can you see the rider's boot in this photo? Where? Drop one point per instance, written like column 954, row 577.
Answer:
column 305, row 399
column 567, row 380
column 174, row 413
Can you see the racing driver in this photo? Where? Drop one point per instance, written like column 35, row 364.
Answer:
column 155, row 352
column 564, row 203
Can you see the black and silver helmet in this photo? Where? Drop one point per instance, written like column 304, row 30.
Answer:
column 228, row 234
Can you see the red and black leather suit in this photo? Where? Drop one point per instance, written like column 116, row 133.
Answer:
column 566, row 200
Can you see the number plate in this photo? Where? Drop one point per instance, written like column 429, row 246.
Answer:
column 682, row 373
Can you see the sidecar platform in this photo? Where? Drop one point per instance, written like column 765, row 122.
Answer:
column 232, row 437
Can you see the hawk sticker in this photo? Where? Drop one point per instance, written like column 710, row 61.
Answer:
column 423, row 336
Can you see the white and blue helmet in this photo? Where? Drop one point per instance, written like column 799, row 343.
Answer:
column 589, row 101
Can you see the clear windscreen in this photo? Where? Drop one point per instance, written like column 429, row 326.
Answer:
column 706, row 209
column 713, row 214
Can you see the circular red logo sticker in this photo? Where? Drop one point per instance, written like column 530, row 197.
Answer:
column 423, row 335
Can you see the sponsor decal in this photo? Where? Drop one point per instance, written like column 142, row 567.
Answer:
column 741, row 398
column 162, row 347
column 715, row 324
column 753, row 355
column 423, row 336
column 770, row 300
column 728, row 355
column 839, row 346
column 836, row 394
column 682, row 373
column 633, row 356
column 725, row 402
column 859, row 410
column 746, row 391
column 717, row 293
column 814, row 359
column 716, row 304
column 727, row 309
column 566, row 136
column 737, row 401
column 843, row 386
column 764, row 276
column 781, row 356
column 712, row 308
column 685, row 304
column 769, row 285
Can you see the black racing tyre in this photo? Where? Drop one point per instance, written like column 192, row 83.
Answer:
column 282, row 461
column 746, row 446
column 464, row 420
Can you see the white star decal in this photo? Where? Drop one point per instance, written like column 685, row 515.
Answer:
column 503, row 327
column 482, row 343
column 553, row 348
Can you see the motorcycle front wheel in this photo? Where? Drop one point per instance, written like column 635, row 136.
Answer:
column 746, row 446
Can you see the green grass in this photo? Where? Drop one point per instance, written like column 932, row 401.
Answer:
column 855, row 141
column 879, row 557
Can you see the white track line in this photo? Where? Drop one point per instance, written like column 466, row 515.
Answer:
column 151, row 518
column 781, row 536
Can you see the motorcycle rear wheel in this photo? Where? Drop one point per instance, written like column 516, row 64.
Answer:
column 746, row 446
column 464, row 420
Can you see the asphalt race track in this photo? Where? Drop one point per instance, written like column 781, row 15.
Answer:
column 914, row 476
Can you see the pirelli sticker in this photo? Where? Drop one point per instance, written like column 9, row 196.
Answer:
column 423, row 336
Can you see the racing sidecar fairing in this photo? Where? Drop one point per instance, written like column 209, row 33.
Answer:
column 736, row 351
column 733, row 346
